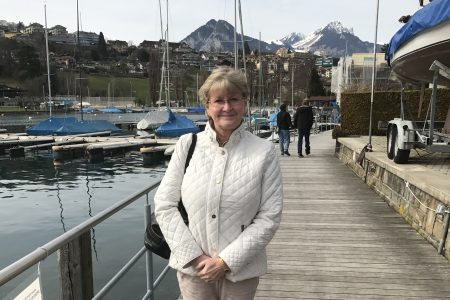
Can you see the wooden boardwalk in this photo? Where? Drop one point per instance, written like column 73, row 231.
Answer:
column 340, row 240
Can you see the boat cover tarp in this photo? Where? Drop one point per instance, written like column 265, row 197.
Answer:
column 88, row 109
column 49, row 126
column 176, row 126
column 196, row 109
column 111, row 110
column 70, row 125
column 153, row 119
column 429, row 16
column 87, row 126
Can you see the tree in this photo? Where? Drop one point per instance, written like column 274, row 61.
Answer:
column 142, row 55
column 20, row 26
column 102, row 46
column 315, row 84
column 28, row 63
column 246, row 48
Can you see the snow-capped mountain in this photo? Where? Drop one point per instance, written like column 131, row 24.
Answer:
column 218, row 36
column 332, row 40
column 292, row 38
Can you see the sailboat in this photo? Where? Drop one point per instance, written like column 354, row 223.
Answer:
column 66, row 125
column 198, row 108
column 422, row 40
column 172, row 125
column 111, row 108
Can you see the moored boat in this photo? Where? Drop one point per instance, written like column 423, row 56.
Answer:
column 422, row 40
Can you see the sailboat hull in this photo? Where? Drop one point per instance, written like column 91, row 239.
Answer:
column 412, row 61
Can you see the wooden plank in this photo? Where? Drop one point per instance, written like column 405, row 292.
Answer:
column 339, row 240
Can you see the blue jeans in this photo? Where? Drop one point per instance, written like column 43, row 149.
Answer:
column 303, row 133
column 284, row 139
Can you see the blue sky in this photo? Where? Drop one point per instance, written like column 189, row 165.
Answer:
column 136, row 20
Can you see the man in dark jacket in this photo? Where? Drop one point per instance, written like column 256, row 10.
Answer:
column 284, row 123
column 303, row 121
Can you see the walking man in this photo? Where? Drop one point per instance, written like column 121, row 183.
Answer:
column 303, row 121
column 284, row 123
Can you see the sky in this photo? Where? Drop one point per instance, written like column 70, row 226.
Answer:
column 138, row 20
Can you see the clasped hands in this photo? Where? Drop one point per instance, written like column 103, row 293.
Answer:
column 210, row 269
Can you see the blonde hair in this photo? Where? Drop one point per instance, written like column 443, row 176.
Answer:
column 224, row 78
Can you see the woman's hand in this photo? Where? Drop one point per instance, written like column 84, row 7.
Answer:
column 209, row 269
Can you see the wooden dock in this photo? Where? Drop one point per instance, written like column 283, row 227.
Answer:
column 339, row 240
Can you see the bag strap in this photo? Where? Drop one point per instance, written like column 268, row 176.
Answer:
column 191, row 151
column 181, row 208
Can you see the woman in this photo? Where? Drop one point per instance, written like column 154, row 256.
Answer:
column 232, row 193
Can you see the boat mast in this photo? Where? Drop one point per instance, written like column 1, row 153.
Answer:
column 197, row 91
column 235, row 38
column 242, row 39
column 163, row 72
column 167, row 48
column 292, row 88
column 369, row 146
column 259, row 74
column 78, row 60
column 48, row 64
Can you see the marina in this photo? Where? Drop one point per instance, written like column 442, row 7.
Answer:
column 337, row 239
column 364, row 217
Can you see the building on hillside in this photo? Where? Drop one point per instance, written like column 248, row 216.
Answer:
column 2, row 33
column 67, row 38
column 64, row 61
column 87, row 38
column 282, row 52
column 33, row 28
column 119, row 46
column 11, row 34
column 183, row 47
column 150, row 44
column 57, row 30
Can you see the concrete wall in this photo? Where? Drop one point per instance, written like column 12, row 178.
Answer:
column 402, row 189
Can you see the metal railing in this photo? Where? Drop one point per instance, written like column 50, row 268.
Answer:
column 42, row 252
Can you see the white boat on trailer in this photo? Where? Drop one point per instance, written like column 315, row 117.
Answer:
column 419, row 54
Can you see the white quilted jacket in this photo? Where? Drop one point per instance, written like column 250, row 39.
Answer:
column 233, row 196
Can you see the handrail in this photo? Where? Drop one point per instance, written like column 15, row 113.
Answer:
column 44, row 251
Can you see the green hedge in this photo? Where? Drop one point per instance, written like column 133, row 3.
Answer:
column 355, row 109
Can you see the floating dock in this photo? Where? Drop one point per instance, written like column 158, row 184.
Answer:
column 79, row 146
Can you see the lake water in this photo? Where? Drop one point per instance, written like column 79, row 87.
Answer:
column 39, row 201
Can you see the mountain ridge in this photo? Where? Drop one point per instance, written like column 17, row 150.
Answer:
column 332, row 40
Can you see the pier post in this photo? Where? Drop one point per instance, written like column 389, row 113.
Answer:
column 17, row 152
column 60, row 153
column 151, row 155
column 95, row 155
column 75, row 265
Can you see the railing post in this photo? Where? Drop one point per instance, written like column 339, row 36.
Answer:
column 75, row 265
column 149, row 255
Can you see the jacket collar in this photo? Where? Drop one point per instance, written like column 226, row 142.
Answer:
column 235, row 137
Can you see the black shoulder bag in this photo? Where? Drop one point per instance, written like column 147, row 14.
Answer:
column 154, row 239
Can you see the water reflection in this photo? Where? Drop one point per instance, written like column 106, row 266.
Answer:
column 94, row 241
column 59, row 199
column 55, row 198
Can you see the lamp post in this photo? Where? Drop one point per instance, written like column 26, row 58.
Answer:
column 369, row 145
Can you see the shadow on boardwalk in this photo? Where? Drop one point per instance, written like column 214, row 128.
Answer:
column 339, row 240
